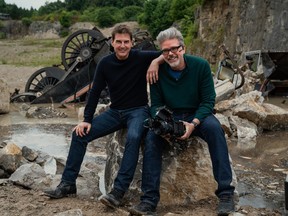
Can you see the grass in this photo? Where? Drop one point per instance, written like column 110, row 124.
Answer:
column 31, row 52
column 49, row 43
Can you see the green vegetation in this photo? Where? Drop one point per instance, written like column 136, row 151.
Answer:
column 2, row 35
column 155, row 15
column 26, row 21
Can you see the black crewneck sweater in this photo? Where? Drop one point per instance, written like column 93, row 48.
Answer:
column 126, row 81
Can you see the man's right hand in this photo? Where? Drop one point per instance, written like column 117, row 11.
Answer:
column 152, row 72
column 82, row 129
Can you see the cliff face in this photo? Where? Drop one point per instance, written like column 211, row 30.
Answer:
column 242, row 25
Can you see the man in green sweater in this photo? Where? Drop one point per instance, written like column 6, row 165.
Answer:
column 185, row 85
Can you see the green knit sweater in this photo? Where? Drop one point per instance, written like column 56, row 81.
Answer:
column 193, row 92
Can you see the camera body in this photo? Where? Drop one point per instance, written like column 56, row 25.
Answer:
column 163, row 123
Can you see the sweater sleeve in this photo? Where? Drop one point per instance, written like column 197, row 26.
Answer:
column 156, row 98
column 98, row 85
column 207, row 93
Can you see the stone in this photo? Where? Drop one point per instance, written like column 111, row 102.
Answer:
column 29, row 175
column 29, row 154
column 50, row 166
column 186, row 174
column 4, row 97
column 276, row 118
column 72, row 212
column 224, row 90
column 224, row 120
column 247, row 132
column 10, row 158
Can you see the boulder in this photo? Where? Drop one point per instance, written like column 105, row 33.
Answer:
column 4, row 97
column 10, row 158
column 28, row 175
column 186, row 171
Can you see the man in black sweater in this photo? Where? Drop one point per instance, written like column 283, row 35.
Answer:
column 124, row 72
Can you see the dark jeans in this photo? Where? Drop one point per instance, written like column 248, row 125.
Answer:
column 209, row 130
column 108, row 122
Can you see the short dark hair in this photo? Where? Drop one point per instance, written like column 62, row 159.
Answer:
column 121, row 29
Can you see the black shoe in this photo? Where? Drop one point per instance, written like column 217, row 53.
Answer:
column 112, row 199
column 143, row 208
column 226, row 204
column 62, row 190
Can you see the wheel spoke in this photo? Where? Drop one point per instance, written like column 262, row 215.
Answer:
column 75, row 44
column 73, row 49
column 79, row 42
column 83, row 40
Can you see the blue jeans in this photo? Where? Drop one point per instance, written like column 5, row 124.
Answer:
column 152, row 165
column 108, row 122
column 209, row 130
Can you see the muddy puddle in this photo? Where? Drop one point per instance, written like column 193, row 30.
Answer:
column 261, row 171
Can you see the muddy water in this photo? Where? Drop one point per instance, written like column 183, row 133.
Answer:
column 269, row 161
column 51, row 136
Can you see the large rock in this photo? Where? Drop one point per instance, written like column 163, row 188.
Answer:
column 276, row 118
column 186, row 173
column 4, row 97
column 28, row 175
column 44, row 29
column 246, row 132
column 224, row 90
column 10, row 158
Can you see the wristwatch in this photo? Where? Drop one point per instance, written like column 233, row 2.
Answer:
column 194, row 123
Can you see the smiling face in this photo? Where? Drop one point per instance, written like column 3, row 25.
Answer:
column 122, row 45
column 173, row 53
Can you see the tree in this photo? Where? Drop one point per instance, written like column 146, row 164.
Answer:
column 156, row 15
column 106, row 16
column 78, row 5
column 51, row 7
column 2, row 6
column 65, row 19
column 130, row 13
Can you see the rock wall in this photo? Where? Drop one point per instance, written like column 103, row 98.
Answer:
column 242, row 25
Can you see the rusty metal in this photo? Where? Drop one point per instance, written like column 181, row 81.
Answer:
column 235, row 67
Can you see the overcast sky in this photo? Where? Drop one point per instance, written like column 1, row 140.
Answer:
column 28, row 3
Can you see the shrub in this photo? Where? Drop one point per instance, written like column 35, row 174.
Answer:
column 2, row 35
column 26, row 21
column 130, row 13
column 65, row 19
column 107, row 16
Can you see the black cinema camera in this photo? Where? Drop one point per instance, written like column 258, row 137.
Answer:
column 163, row 123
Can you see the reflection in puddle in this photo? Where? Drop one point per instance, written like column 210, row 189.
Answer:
column 50, row 139
column 251, row 196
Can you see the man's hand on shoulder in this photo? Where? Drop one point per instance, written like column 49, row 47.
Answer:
column 152, row 72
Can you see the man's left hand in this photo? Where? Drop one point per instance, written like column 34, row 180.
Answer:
column 189, row 129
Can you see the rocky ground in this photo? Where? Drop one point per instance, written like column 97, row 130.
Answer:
column 260, row 172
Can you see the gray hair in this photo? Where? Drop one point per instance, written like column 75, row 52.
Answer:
column 170, row 33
